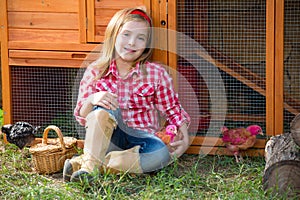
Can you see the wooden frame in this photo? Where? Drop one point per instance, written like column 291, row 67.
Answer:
column 83, row 41
column 99, row 13
column 273, row 82
column 279, row 67
column 270, row 58
column 4, row 63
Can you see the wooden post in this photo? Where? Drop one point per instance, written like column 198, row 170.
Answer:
column 172, row 40
column 270, row 49
column 6, row 86
column 160, row 22
column 6, row 104
column 90, row 21
column 279, row 67
column 82, row 21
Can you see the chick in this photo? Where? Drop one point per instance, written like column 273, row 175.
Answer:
column 167, row 135
column 240, row 139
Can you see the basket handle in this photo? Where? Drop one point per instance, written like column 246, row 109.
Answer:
column 58, row 132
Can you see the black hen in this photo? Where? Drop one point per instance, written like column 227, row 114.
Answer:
column 20, row 133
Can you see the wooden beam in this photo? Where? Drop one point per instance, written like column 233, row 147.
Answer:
column 45, row 5
column 90, row 20
column 205, row 145
column 279, row 67
column 270, row 67
column 217, row 142
column 82, row 18
column 5, row 72
column 6, row 86
column 172, row 39
column 55, row 55
column 40, row 20
column 53, row 46
column 159, row 15
column 148, row 6
column 47, row 36
column 222, row 151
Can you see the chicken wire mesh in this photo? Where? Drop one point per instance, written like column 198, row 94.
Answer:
column 291, row 59
column 44, row 96
column 233, row 34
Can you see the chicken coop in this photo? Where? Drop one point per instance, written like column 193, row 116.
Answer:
column 234, row 62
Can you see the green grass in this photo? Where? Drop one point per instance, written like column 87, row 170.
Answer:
column 190, row 177
column 1, row 117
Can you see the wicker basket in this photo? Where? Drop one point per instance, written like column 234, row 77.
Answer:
column 49, row 156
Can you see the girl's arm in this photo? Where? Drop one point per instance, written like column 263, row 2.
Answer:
column 86, row 89
column 103, row 98
column 167, row 102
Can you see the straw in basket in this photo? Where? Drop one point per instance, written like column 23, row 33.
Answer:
column 49, row 156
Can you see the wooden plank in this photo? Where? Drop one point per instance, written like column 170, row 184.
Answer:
column 99, row 14
column 243, row 117
column 279, row 67
column 5, row 71
column 46, row 62
column 206, row 150
column 43, row 5
column 90, row 9
column 148, row 6
column 270, row 73
column 160, row 39
column 100, row 32
column 39, row 20
column 57, row 55
column 30, row 35
column 53, row 46
column 172, row 39
column 117, row 4
column 103, row 16
column 82, row 15
column 5, row 75
column 222, row 151
column 163, row 32
column 217, row 142
column 99, row 38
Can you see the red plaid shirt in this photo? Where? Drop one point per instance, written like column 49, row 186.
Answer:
column 142, row 98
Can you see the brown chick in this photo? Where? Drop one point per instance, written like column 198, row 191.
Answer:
column 240, row 139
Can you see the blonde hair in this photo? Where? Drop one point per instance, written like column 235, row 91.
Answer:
column 111, row 32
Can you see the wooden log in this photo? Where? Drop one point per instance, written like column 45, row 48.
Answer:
column 279, row 148
column 283, row 179
column 282, row 169
column 295, row 129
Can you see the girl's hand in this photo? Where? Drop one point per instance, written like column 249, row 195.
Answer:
column 104, row 99
column 181, row 145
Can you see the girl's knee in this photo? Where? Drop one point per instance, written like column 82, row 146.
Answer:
column 155, row 160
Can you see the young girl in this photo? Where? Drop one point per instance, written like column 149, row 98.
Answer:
column 121, row 97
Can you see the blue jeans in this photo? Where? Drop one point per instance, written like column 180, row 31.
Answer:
column 154, row 154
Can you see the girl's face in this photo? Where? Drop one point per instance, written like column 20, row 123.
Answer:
column 131, row 41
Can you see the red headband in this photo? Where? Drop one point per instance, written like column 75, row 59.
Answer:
column 141, row 13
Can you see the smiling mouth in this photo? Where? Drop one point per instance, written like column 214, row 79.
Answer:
column 130, row 50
